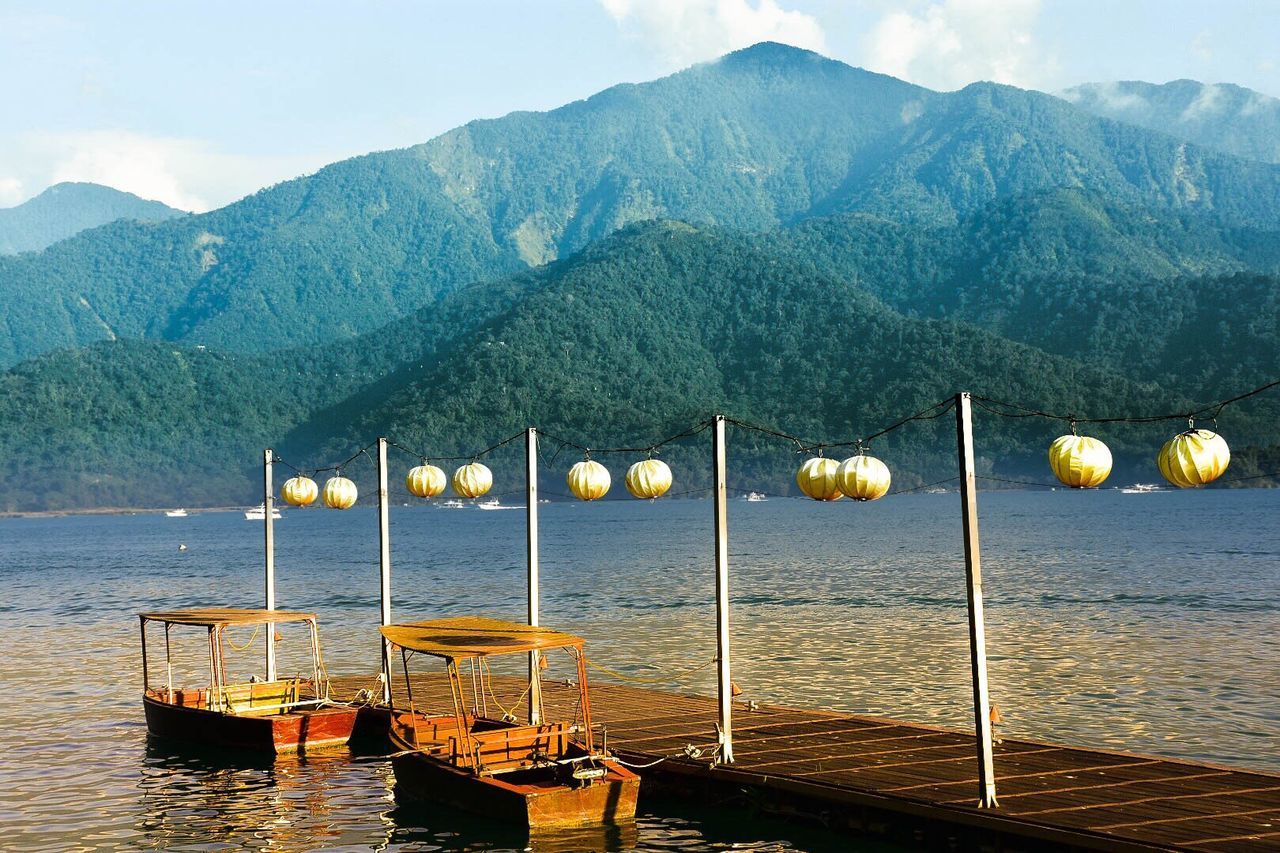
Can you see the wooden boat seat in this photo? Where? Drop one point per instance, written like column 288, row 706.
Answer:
column 503, row 749
column 261, row 698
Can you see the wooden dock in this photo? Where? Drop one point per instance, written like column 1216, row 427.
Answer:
column 919, row 783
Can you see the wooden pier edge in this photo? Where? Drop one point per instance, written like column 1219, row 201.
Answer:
column 846, row 764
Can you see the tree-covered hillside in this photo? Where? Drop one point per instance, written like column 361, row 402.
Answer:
column 764, row 137
column 635, row 338
column 69, row 208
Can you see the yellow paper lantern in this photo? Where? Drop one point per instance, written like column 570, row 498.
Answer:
column 299, row 491
column 648, row 479
column 1193, row 458
column 588, row 480
column 817, row 479
column 1079, row 461
column 863, row 478
column 472, row 480
column 339, row 493
column 425, row 481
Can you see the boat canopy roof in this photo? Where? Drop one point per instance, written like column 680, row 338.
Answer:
column 475, row 636
column 220, row 617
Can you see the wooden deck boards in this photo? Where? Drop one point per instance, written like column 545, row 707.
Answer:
column 1084, row 797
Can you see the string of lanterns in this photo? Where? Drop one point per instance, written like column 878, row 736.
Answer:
column 1192, row 458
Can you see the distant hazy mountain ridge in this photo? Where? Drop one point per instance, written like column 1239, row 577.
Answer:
column 1216, row 115
column 67, row 209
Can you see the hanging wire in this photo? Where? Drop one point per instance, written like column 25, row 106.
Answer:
column 290, row 465
column 1209, row 412
column 471, row 457
column 919, row 488
column 650, row 449
column 937, row 410
column 1018, row 482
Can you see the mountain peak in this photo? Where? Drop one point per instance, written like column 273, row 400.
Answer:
column 771, row 53
column 67, row 208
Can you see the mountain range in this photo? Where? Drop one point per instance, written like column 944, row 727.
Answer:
column 1229, row 118
column 66, row 209
column 775, row 235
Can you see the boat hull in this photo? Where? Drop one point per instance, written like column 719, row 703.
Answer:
column 297, row 732
column 540, row 804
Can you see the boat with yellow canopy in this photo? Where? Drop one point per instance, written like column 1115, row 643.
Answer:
column 546, row 775
column 287, row 715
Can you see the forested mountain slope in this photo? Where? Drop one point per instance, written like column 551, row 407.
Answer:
column 636, row 337
column 764, row 137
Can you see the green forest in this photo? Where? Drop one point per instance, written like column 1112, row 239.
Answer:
column 775, row 237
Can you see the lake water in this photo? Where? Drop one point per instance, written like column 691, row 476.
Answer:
column 1148, row 623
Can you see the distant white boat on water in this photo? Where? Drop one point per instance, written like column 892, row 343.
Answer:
column 493, row 503
column 176, row 513
column 259, row 513
column 755, row 497
column 452, row 504
column 1140, row 489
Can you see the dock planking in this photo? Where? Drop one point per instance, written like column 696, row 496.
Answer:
column 1063, row 795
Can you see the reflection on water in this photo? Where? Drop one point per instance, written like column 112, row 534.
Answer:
column 1146, row 623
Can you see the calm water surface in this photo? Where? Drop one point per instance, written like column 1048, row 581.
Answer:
column 1148, row 623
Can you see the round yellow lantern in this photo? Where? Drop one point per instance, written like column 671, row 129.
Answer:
column 339, row 493
column 863, row 478
column 817, row 479
column 425, row 481
column 648, row 479
column 1079, row 461
column 299, row 491
column 588, row 480
column 472, row 480
column 1193, row 458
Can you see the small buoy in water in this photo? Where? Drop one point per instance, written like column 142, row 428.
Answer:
column 734, row 689
column 182, row 546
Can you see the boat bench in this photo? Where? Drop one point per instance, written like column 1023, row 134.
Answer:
column 517, row 746
column 262, row 697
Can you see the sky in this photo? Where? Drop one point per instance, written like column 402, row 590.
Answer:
column 198, row 104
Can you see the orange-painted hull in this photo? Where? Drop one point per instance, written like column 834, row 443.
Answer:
column 299, row 731
column 539, row 798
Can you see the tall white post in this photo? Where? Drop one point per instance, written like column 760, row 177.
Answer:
column 973, row 587
column 721, row 501
column 269, row 548
column 531, row 528
column 384, row 563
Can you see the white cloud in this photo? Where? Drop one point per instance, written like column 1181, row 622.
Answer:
column 1112, row 97
column 1202, row 47
column 10, row 192
column 947, row 44
column 1258, row 103
column 689, row 31
column 1204, row 105
column 188, row 174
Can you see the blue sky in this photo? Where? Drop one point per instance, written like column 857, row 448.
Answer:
column 200, row 104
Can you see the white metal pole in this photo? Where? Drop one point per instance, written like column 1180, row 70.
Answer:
column 531, row 528
column 269, row 547
column 973, row 587
column 384, row 562
column 725, row 685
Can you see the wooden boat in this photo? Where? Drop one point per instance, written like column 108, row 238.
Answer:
column 289, row 715
column 544, row 775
